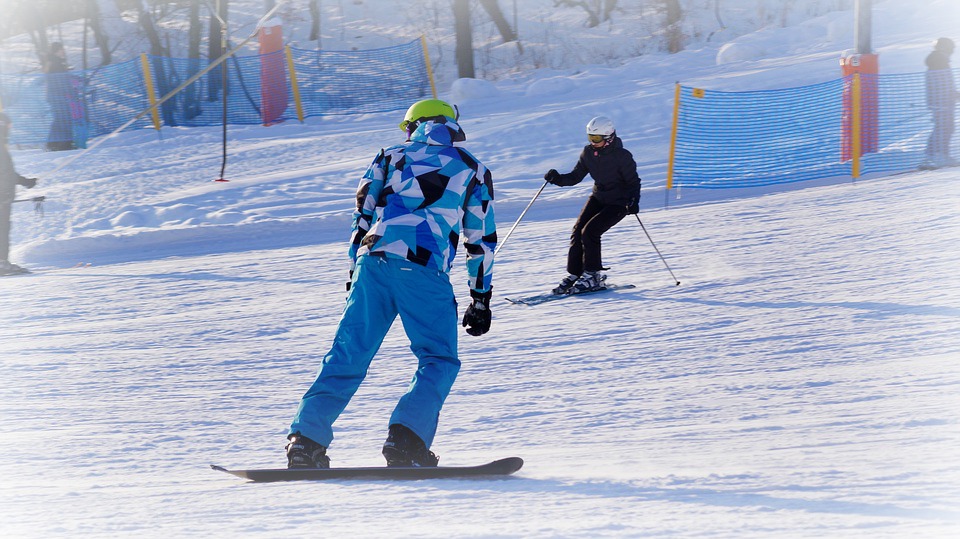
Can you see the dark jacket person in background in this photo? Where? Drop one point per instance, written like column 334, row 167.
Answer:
column 942, row 102
column 59, row 92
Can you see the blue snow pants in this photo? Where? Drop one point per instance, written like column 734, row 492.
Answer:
column 382, row 289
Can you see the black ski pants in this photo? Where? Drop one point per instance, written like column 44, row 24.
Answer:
column 5, row 208
column 595, row 219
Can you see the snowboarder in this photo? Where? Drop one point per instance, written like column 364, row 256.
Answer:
column 616, row 194
column 414, row 203
column 941, row 100
column 9, row 180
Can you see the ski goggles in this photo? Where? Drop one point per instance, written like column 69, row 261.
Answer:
column 597, row 139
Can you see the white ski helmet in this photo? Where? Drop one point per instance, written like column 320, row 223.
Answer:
column 601, row 126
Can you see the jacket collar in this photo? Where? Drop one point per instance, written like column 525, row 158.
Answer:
column 438, row 134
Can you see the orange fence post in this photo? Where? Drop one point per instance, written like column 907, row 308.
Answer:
column 273, row 75
column 860, row 64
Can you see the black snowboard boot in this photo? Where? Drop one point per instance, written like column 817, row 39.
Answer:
column 404, row 448
column 302, row 452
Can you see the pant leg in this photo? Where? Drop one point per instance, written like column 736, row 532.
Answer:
column 575, row 254
column 946, row 133
column 367, row 316
column 5, row 213
column 428, row 311
column 938, row 145
column 601, row 222
column 61, row 130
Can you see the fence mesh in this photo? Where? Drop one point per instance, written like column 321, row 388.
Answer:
column 746, row 139
column 259, row 91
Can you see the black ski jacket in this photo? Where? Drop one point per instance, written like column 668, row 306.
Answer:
column 614, row 173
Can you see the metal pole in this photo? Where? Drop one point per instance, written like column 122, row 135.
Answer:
column 514, row 227
column 862, row 14
column 657, row 250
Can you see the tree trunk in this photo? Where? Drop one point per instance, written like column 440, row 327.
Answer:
column 217, row 49
column 608, row 7
column 464, row 50
column 315, row 21
column 103, row 42
column 159, row 68
column 493, row 9
column 191, row 95
column 673, row 28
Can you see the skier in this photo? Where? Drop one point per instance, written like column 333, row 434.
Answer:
column 941, row 100
column 616, row 194
column 9, row 180
column 414, row 203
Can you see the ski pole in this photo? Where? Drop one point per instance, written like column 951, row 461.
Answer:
column 514, row 227
column 37, row 203
column 657, row 250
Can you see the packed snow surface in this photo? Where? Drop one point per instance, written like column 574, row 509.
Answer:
column 801, row 381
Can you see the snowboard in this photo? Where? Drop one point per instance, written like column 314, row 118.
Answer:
column 550, row 296
column 500, row 467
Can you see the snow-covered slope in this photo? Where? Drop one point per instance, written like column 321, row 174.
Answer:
column 801, row 382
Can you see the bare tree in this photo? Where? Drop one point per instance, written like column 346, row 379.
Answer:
column 493, row 9
column 315, row 21
column 191, row 98
column 163, row 79
column 99, row 36
column 598, row 11
column 464, row 30
column 672, row 25
column 217, row 49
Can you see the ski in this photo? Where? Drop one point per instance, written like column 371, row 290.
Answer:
column 550, row 296
column 500, row 467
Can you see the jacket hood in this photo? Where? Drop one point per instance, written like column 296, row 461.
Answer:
column 438, row 134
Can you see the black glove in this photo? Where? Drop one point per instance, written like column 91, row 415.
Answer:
column 29, row 183
column 551, row 175
column 350, row 281
column 633, row 207
column 477, row 316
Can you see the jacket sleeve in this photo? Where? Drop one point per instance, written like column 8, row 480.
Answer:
column 480, row 231
column 628, row 173
column 576, row 175
column 368, row 193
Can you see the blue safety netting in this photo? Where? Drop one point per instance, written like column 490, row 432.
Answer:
column 76, row 106
column 744, row 139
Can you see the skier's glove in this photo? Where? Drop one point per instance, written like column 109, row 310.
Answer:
column 551, row 175
column 29, row 183
column 633, row 207
column 350, row 281
column 477, row 316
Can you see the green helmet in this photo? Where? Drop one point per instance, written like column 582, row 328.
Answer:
column 428, row 109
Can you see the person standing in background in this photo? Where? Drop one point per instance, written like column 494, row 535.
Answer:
column 942, row 101
column 9, row 180
column 59, row 92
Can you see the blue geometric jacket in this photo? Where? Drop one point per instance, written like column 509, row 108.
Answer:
column 417, row 199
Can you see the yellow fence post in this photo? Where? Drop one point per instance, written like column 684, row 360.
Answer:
column 294, row 85
column 673, row 135
column 151, row 96
column 426, row 60
column 855, row 127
